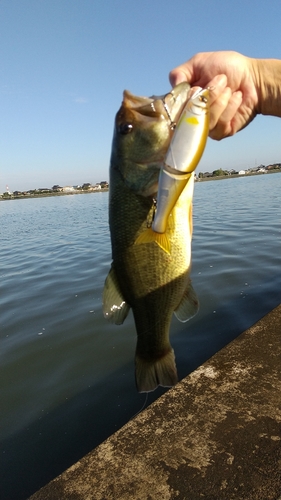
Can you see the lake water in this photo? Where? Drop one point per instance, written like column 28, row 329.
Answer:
column 67, row 376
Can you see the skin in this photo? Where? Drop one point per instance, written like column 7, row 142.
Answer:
column 241, row 88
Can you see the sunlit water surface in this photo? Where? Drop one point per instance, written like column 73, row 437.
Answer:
column 67, row 376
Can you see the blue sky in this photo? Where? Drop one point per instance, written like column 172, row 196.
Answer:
column 65, row 63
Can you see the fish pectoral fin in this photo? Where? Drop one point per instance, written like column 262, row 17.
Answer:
column 115, row 308
column 151, row 374
column 188, row 306
column 161, row 239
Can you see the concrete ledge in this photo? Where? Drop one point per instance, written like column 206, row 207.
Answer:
column 216, row 435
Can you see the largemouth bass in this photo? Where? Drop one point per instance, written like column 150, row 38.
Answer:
column 153, row 282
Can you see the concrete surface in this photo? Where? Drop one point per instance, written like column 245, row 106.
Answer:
column 215, row 436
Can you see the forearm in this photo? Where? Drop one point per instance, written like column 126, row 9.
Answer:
column 269, row 76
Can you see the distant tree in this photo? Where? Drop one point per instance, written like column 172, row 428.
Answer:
column 103, row 184
column 57, row 188
column 219, row 172
column 200, row 175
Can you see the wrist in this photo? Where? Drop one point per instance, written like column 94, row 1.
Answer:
column 268, row 79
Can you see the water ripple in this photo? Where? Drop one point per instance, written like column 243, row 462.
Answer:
column 55, row 343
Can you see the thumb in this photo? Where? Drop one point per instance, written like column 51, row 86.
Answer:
column 183, row 73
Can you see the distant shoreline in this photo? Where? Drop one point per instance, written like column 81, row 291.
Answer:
column 71, row 193
column 221, row 177
column 47, row 195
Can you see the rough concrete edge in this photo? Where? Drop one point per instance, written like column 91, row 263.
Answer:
column 216, row 435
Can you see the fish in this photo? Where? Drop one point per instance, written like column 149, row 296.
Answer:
column 144, row 277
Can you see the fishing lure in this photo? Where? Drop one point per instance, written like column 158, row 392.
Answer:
column 183, row 155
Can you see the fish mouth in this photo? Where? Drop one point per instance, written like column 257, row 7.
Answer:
column 172, row 103
column 167, row 106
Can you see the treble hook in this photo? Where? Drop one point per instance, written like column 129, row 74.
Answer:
column 172, row 123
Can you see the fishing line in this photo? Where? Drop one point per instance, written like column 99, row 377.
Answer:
column 142, row 408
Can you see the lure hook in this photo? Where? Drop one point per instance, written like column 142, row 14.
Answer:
column 172, row 123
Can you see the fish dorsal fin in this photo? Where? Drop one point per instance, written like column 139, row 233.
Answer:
column 188, row 306
column 161, row 239
column 115, row 308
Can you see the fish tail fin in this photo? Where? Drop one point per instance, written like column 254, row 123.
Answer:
column 151, row 374
column 161, row 239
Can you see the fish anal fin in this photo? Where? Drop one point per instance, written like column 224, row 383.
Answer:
column 188, row 306
column 151, row 374
column 161, row 239
column 115, row 308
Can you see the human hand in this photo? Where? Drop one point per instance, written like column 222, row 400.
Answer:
column 234, row 88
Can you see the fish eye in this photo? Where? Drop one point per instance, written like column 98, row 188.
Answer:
column 203, row 98
column 125, row 128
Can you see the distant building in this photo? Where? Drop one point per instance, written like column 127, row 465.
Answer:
column 241, row 172
column 44, row 190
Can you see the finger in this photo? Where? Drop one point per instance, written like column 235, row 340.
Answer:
column 178, row 75
column 218, row 106
column 234, row 104
column 225, row 125
column 216, row 86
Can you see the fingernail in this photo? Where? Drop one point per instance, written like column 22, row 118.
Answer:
column 238, row 95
